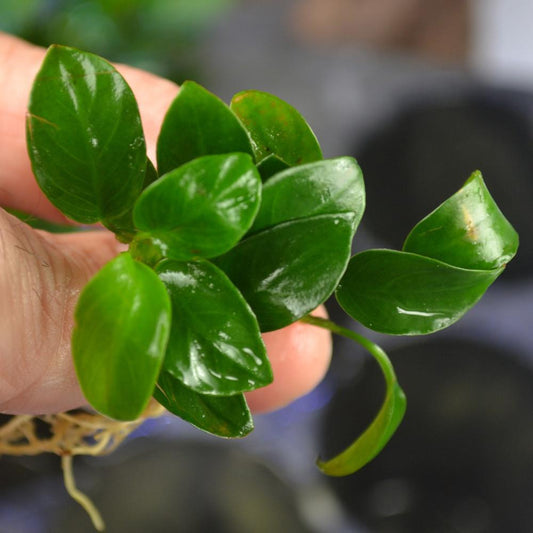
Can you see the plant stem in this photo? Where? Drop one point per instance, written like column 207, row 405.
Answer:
column 379, row 355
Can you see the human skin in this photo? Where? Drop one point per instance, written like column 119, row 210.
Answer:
column 41, row 274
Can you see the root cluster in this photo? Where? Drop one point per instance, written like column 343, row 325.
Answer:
column 67, row 434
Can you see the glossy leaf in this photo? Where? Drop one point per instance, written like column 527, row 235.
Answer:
column 286, row 271
column 468, row 230
column 215, row 346
column 198, row 123
column 122, row 324
column 224, row 416
column 449, row 260
column 275, row 127
column 151, row 174
column 382, row 428
column 85, row 137
column 123, row 225
column 200, row 209
column 400, row 293
column 325, row 187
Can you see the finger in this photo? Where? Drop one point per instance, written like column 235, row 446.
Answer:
column 20, row 63
column 41, row 276
column 300, row 355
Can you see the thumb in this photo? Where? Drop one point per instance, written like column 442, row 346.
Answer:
column 41, row 276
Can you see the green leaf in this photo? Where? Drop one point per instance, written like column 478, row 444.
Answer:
column 200, row 209
column 468, row 230
column 151, row 174
column 271, row 165
column 123, row 225
column 215, row 346
column 401, row 293
column 322, row 188
column 286, row 271
column 224, row 416
column 275, row 127
column 450, row 258
column 196, row 124
column 84, row 136
column 122, row 324
column 376, row 436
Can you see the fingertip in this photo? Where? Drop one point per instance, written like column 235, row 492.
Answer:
column 300, row 355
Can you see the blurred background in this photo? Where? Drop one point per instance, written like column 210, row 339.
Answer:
column 421, row 92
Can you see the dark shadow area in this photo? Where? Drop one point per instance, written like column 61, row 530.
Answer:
column 461, row 460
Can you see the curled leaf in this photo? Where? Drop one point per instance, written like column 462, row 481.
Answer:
column 382, row 428
column 468, row 230
column 449, row 260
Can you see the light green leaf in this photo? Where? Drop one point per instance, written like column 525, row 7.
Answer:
column 122, row 324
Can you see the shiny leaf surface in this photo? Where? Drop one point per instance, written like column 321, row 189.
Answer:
column 85, row 137
column 450, row 258
column 275, row 127
column 198, row 123
column 286, row 271
column 322, row 188
column 224, row 416
column 200, row 209
column 400, row 293
column 123, row 225
column 468, row 230
column 122, row 324
column 215, row 346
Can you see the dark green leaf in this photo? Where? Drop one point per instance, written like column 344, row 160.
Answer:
column 122, row 324
column 468, row 230
column 215, row 346
column 123, row 225
column 322, row 188
column 275, row 127
column 200, row 209
column 286, row 271
column 198, row 123
column 376, row 436
column 224, row 416
column 151, row 174
column 401, row 293
column 271, row 165
column 85, row 137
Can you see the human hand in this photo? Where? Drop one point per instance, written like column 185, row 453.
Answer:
column 41, row 274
